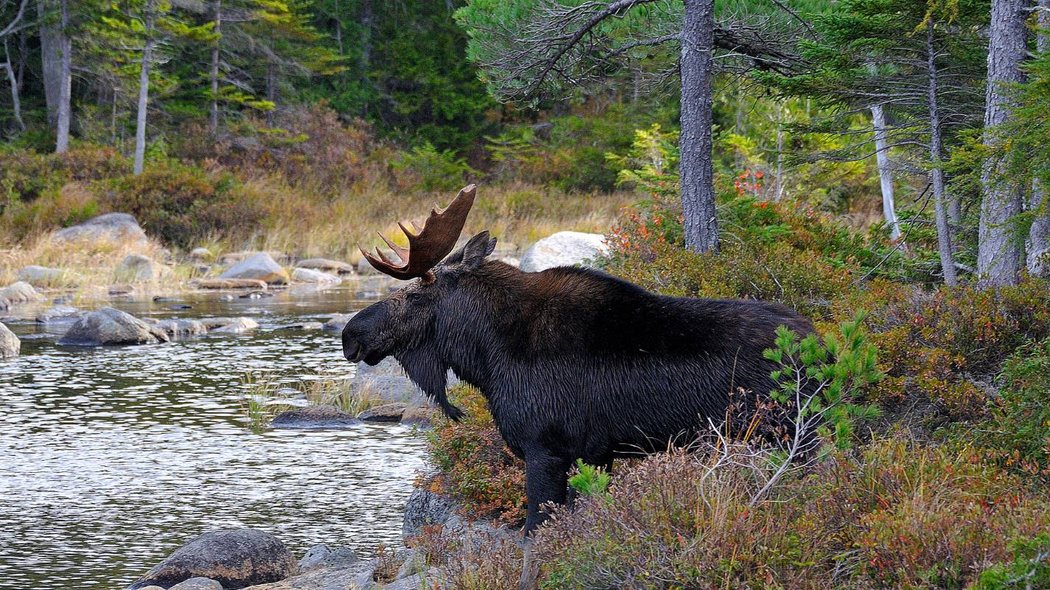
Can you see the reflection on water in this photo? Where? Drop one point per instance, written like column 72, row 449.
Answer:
column 112, row 457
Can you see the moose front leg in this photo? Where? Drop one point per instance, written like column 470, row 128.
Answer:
column 546, row 477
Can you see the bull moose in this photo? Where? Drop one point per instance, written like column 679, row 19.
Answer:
column 574, row 363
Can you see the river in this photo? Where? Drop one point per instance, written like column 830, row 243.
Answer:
column 110, row 458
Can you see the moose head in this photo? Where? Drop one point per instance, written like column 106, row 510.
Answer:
column 405, row 324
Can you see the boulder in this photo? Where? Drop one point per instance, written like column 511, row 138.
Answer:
column 197, row 584
column 228, row 284
column 314, row 417
column 114, row 227
column 10, row 345
column 259, row 266
column 323, row 264
column 41, row 276
column 566, row 248
column 137, row 268
column 425, row 508
column 111, row 327
column 231, row 325
column 337, row 323
column 323, row 556
column 421, row 416
column 181, row 328
column 20, row 292
column 415, row 564
column 357, row 576
column 235, row 558
column 306, row 275
column 387, row 413
column 58, row 314
column 234, row 257
column 120, row 290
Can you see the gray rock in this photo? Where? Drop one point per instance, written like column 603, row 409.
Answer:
column 387, row 381
column 10, row 345
column 337, row 323
column 566, row 248
column 58, row 314
column 137, row 268
column 181, row 328
column 235, row 257
column 326, row 265
column 152, row 588
column 307, row 275
column 478, row 535
column 197, row 584
column 421, row 416
column 385, row 413
column 259, row 266
column 305, row 326
column 415, row 563
column 353, row 577
column 325, row 557
column 314, row 417
column 111, row 327
column 118, row 227
column 227, row 284
column 201, row 254
column 236, row 326
column 20, row 292
column 425, row 508
column 41, row 276
column 236, row 558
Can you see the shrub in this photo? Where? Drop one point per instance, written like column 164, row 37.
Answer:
column 183, row 205
column 476, row 467
column 433, row 169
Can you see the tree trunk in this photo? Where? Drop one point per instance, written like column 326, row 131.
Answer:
column 1039, row 235
column 944, row 236
column 882, row 162
column 65, row 90
column 779, row 194
column 213, row 119
column 271, row 90
column 16, row 104
column 140, row 124
column 50, row 57
column 999, row 252
column 697, row 172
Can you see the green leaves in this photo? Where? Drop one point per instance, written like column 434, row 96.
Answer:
column 590, row 480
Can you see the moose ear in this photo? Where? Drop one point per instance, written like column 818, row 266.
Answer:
column 473, row 253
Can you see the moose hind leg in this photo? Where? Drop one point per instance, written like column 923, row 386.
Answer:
column 546, row 478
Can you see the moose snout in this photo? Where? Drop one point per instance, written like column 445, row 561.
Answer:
column 352, row 350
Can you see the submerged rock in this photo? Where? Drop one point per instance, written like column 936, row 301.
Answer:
column 117, row 227
column 314, row 417
column 181, row 328
column 10, row 345
column 387, row 413
column 111, row 327
column 326, row 265
column 261, row 267
column 228, row 284
column 58, row 314
column 236, row 558
column 566, row 248
column 230, row 325
column 20, row 292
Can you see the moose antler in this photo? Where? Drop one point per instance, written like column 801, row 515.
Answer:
column 427, row 246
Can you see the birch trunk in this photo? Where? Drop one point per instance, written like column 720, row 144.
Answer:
column 944, row 237
column 882, row 162
column 1039, row 235
column 140, row 124
column 213, row 119
column 64, row 46
column 16, row 104
column 50, row 57
column 697, row 172
column 999, row 252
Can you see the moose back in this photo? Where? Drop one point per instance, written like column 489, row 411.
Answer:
column 573, row 363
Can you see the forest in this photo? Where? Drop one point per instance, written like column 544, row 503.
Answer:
column 880, row 166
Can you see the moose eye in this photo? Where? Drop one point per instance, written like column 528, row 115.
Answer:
column 414, row 297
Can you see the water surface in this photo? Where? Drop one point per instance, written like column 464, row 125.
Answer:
column 110, row 458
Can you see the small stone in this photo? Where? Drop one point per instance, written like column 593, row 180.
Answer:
column 41, row 276
column 10, row 345
column 181, row 328
column 197, row 584
column 136, row 268
column 228, row 284
column 326, row 265
column 323, row 556
column 306, row 275
column 386, row 413
column 201, row 254
column 20, row 292
column 304, row 326
column 338, row 322
column 261, row 267
column 314, row 417
column 120, row 290
column 420, row 416
column 231, row 325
